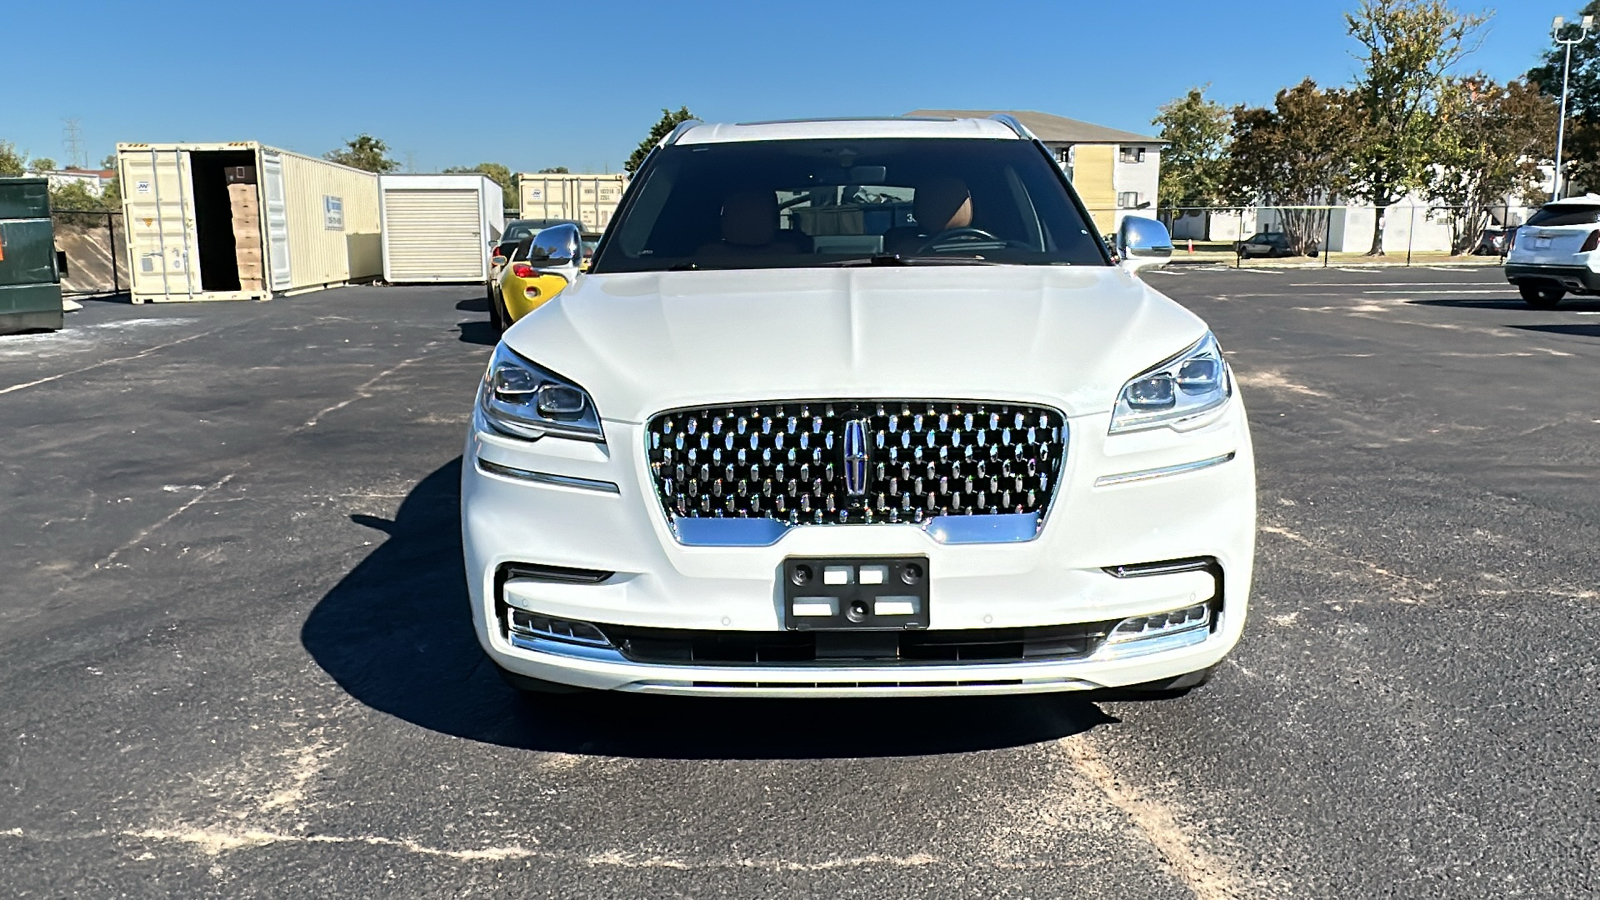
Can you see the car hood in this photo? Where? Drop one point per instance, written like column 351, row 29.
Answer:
column 646, row 342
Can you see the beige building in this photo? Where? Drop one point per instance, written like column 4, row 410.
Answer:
column 1115, row 172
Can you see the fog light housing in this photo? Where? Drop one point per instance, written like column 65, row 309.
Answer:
column 1159, row 632
column 521, row 623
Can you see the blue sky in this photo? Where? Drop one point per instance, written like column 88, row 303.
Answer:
column 459, row 83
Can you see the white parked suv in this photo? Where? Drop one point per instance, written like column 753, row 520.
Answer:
column 1555, row 254
column 858, row 408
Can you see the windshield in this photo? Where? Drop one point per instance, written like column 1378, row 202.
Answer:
column 1566, row 214
column 791, row 204
column 518, row 230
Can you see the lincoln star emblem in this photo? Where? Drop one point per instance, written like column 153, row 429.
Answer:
column 855, row 457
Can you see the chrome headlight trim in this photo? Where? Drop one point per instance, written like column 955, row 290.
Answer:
column 1176, row 391
column 521, row 399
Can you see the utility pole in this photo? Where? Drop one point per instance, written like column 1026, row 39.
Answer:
column 72, row 140
column 1566, row 73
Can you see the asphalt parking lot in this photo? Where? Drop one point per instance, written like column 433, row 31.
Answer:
column 237, row 661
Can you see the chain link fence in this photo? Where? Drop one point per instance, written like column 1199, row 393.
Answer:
column 95, row 244
column 1411, row 234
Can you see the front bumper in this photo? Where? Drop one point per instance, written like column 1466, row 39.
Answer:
column 1123, row 500
column 1569, row 278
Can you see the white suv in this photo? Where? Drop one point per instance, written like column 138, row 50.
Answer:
column 858, row 407
column 1555, row 253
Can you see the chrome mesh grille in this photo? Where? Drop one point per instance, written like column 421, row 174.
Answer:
column 922, row 459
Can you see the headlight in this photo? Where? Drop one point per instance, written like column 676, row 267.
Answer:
column 523, row 400
column 1183, row 388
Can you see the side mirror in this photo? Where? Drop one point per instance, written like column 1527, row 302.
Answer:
column 556, row 247
column 1143, row 243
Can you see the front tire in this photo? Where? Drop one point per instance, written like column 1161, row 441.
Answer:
column 1540, row 297
column 497, row 314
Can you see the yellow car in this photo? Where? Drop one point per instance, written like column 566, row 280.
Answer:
column 523, row 288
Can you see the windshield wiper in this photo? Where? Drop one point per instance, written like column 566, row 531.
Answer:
column 895, row 259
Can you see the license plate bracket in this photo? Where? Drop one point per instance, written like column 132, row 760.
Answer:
column 854, row 593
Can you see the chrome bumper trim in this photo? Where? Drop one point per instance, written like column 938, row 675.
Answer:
column 1164, row 471
column 586, row 484
column 1003, row 528
column 728, row 532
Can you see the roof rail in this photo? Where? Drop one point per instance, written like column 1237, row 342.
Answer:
column 1011, row 122
column 683, row 126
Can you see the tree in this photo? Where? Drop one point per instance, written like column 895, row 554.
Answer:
column 663, row 127
column 555, row 170
column 109, row 162
column 12, row 160
column 111, row 194
column 497, row 173
column 1295, row 155
column 1581, row 149
column 364, row 152
column 1407, row 49
column 41, row 164
column 1488, row 148
column 75, row 195
column 1194, row 163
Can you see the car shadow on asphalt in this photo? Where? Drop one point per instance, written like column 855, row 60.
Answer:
column 481, row 333
column 1592, row 331
column 396, row 633
column 474, row 304
column 1511, row 302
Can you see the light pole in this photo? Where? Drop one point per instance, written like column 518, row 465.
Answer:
column 1566, row 72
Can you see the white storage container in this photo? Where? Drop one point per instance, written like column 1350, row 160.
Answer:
column 437, row 228
column 243, row 221
column 587, row 199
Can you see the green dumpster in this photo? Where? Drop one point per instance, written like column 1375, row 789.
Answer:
column 30, row 283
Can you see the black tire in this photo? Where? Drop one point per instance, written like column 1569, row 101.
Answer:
column 1540, row 296
column 497, row 315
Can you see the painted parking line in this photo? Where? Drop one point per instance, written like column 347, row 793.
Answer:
column 1408, row 293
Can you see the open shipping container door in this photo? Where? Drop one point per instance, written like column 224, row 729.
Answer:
column 277, row 216
column 163, row 254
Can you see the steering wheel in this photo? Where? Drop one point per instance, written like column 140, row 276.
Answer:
column 952, row 234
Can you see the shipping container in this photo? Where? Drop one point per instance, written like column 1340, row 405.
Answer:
column 437, row 228
column 30, row 277
column 243, row 221
column 587, row 199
